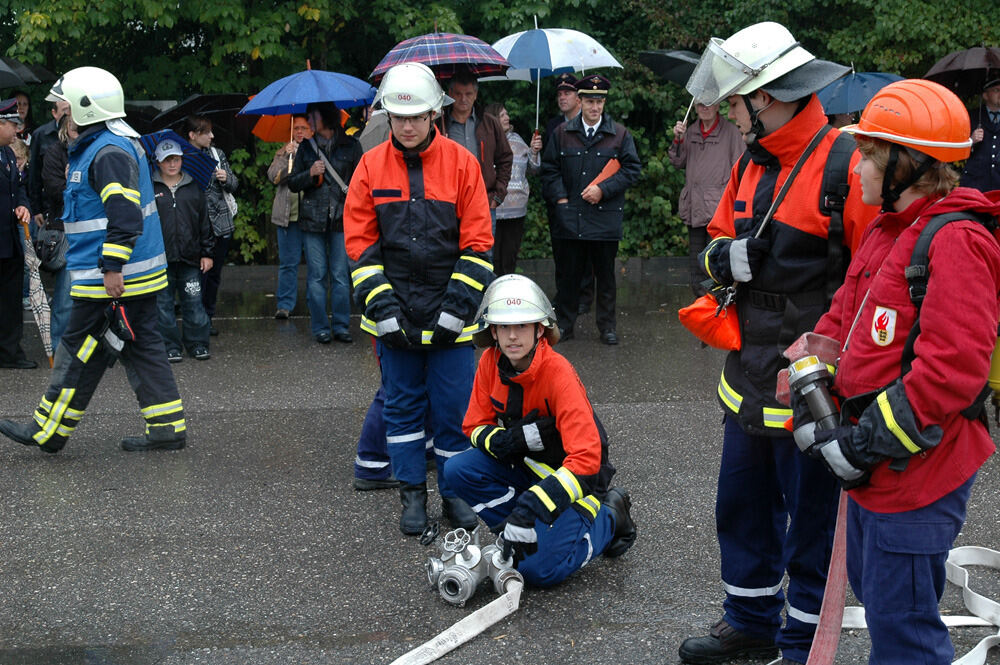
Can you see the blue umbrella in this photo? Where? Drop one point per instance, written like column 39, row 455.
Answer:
column 292, row 93
column 853, row 92
column 197, row 164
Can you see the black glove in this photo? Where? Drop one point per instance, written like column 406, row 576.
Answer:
column 447, row 328
column 842, row 451
column 803, row 423
column 746, row 256
column 524, row 436
column 393, row 332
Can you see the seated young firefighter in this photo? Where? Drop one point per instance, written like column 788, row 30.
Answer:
column 910, row 458
column 540, row 470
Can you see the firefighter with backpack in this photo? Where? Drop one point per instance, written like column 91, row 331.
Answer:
column 916, row 322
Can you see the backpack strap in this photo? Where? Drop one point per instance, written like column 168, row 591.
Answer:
column 833, row 195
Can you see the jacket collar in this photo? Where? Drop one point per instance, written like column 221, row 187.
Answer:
column 958, row 200
column 185, row 178
column 788, row 141
column 607, row 125
column 542, row 351
column 86, row 136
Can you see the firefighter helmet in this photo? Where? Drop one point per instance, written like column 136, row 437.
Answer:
column 94, row 95
column 411, row 89
column 514, row 299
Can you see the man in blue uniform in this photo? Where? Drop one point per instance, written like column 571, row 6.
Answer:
column 117, row 265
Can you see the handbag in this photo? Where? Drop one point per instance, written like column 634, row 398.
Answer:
column 226, row 196
column 50, row 246
column 714, row 322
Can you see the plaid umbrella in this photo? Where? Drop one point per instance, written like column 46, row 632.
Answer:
column 445, row 53
column 197, row 164
column 36, row 294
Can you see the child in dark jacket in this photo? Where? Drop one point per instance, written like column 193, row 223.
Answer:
column 188, row 242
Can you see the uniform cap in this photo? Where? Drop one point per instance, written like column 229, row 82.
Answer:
column 566, row 82
column 595, row 84
column 8, row 111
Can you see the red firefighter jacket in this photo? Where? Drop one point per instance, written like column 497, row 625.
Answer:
column 551, row 385
column 958, row 330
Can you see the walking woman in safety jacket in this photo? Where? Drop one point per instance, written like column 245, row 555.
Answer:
column 911, row 450
column 117, row 265
column 775, row 508
column 418, row 235
column 540, row 471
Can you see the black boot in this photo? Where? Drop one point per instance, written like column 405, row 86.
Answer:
column 724, row 642
column 620, row 504
column 413, row 521
column 23, row 434
column 162, row 438
column 458, row 513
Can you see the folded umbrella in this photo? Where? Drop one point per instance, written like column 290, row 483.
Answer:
column 294, row 93
column 445, row 53
column 853, row 92
column 36, row 295
column 196, row 163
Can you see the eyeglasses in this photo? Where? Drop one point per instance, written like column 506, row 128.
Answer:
column 411, row 120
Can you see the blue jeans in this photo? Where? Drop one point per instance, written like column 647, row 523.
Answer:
column 326, row 257
column 895, row 562
column 415, row 380
column 60, row 306
column 185, row 281
column 289, row 256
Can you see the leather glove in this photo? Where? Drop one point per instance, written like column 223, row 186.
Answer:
column 393, row 332
column 524, row 436
column 839, row 450
column 447, row 328
column 804, row 425
column 746, row 256
column 519, row 537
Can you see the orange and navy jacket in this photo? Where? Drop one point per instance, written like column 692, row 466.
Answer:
column 418, row 233
column 550, row 385
column 871, row 316
column 787, row 294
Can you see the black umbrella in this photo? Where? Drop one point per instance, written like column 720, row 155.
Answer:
column 675, row 66
column 223, row 103
column 15, row 76
column 966, row 72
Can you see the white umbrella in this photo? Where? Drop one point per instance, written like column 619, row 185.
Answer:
column 534, row 54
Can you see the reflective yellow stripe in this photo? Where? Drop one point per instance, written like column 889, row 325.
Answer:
column 61, row 430
column 86, row 349
column 540, row 469
column 377, row 290
column 569, row 483
column 475, row 435
column 146, row 284
column 708, row 251
column 489, row 437
column 543, row 497
column 776, row 417
column 55, row 415
column 113, row 188
column 368, row 326
column 70, row 413
column 464, row 336
column 476, row 259
column 364, row 272
column 178, row 425
column 467, row 280
column 154, row 410
column 890, row 422
column 591, row 504
column 116, row 251
column 729, row 397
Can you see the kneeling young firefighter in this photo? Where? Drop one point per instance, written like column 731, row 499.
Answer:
column 117, row 265
column 540, row 470
column 916, row 324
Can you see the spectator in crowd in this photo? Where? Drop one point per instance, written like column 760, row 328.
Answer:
column 21, row 153
column 323, row 166
column 706, row 151
column 13, row 212
column 568, row 102
column 982, row 169
column 53, row 183
column 221, row 208
column 117, row 266
column 589, row 210
column 285, row 216
column 24, row 110
column 482, row 135
column 510, row 214
column 419, row 291
column 540, row 471
column 41, row 139
column 187, row 241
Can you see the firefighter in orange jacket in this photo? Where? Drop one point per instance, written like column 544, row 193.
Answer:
column 540, row 473
column 775, row 508
column 417, row 231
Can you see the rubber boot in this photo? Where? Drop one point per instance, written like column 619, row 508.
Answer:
column 413, row 521
column 620, row 504
column 458, row 513
column 157, row 438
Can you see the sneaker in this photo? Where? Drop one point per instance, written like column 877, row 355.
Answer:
column 201, row 353
column 281, row 314
column 174, row 356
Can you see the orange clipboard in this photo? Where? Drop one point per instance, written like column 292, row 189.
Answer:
column 609, row 170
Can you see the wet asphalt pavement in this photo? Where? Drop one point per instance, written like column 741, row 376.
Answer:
column 251, row 547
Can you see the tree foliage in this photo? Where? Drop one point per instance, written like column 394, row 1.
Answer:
column 169, row 49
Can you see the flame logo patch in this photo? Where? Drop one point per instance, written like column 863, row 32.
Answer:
column 884, row 326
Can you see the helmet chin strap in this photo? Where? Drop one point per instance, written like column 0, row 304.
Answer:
column 891, row 194
column 756, row 126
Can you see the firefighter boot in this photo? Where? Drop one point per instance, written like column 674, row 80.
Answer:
column 723, row 643
column 413, row 521
column 620, row 504
column 164, row 438
column 24, row 434
column 458, row 513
